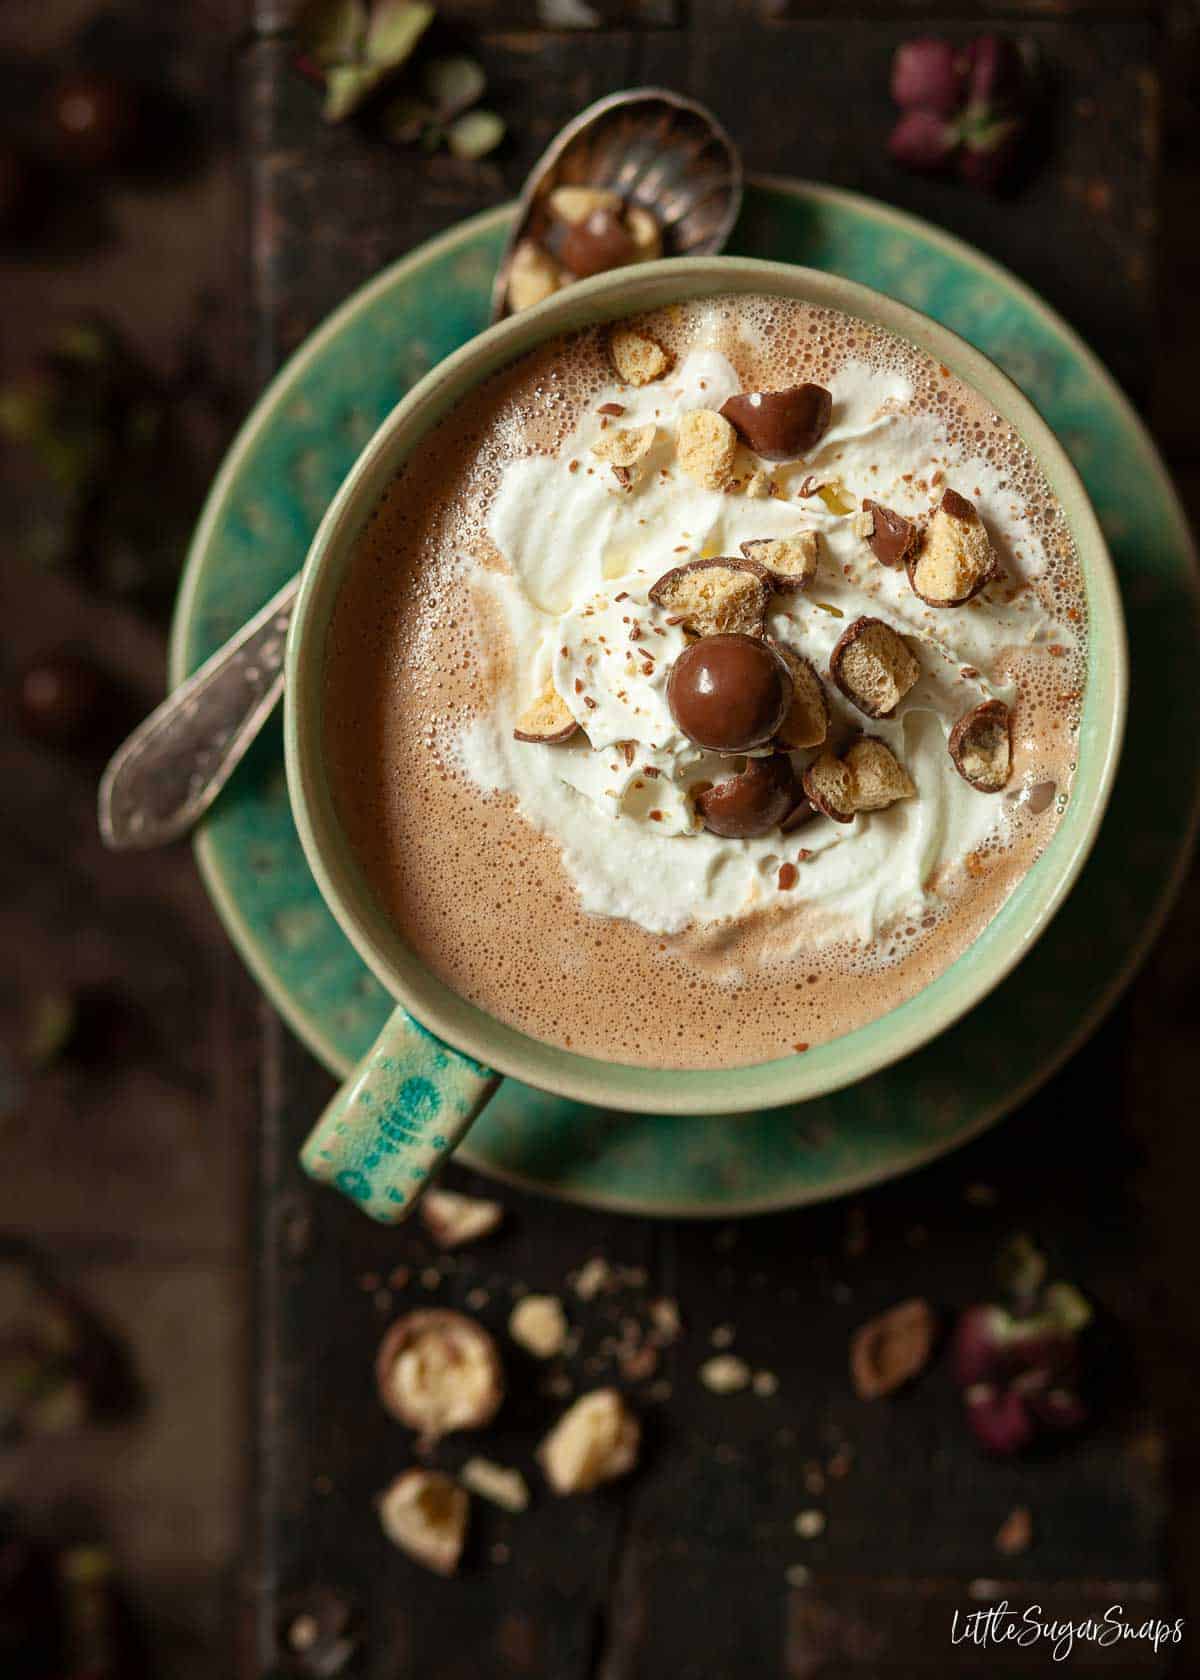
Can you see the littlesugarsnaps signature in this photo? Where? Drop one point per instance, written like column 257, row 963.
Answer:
column 1001, row 1624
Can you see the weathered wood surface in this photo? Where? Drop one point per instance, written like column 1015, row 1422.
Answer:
column 681, row 1571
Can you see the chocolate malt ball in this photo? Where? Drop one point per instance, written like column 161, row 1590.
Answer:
column 729, row 693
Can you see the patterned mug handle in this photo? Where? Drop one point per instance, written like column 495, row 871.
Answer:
column 404, row 1107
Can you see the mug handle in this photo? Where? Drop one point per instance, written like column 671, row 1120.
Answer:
column 405, row 1106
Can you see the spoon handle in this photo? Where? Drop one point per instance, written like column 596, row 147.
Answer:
column 169, row 771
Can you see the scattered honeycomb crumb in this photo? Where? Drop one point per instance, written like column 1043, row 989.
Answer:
column 665, row 1317
column 539, row 1325
column 454, row 1220
column 502, row 1486
column 426, row 1514
column 725, row 1373
column 593, row 1276
column 594, row 1441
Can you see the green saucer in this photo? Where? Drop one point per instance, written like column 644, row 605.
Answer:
column 271, row 492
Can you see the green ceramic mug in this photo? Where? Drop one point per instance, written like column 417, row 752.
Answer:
column 439, row 1058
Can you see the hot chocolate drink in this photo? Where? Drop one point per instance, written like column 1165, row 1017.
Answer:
column 702, row 687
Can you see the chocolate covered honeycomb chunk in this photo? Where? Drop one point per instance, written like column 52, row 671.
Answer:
column 873, row 667
column 717, row 597
column 829, row 785
column 955, row 559
column 791, row 562
column 751, row 803
column 707, row 447
column 807, row 720
column 879, row 778
column 638, row 359
column 981, row 746
column 575, row 204
column 533, row 275
column 645, row 232
column 600, row 242
column 889, row 535
column 626, row 448
column 546, row 720
column 781, row 425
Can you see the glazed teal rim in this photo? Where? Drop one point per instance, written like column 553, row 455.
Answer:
column 827, row 1067
column 918, row 1110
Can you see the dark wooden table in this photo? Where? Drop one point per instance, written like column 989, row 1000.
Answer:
column 692, row 1568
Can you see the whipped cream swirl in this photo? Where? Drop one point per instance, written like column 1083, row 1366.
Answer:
column 581, row 554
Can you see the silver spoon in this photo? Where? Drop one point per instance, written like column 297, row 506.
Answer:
column 657, row 150
column 160, row 782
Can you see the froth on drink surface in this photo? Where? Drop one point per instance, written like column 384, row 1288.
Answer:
column 419, row 651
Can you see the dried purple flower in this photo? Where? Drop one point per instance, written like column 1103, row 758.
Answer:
column 1019, row 1371
column 928, row 75
column 999, row 1419
column 961, row 105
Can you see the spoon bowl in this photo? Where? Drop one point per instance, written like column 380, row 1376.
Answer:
column 659, row 152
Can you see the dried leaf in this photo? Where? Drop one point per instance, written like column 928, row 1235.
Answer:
column 1021, row 1269
column 394, row 30
column 474, row 134
column 346, row 88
